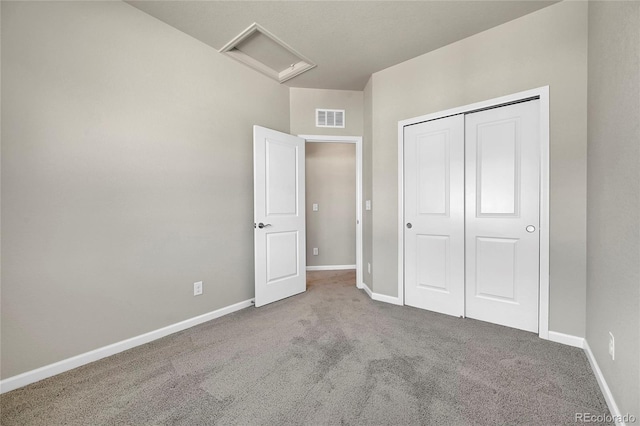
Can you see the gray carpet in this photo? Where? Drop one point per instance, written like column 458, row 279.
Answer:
column 328, row 356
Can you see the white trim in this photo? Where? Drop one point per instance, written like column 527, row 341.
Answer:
column 359, row 192
column 330, row 267
column 543, row 295
column 515, row 97
column 367, row 290
column 387, row 299
column 608, row 396
column 50, row 370
column 566, row 339
column 401, row 212
column 542, row 93
column 380, row 297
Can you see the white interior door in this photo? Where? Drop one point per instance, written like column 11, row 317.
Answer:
column 434, row 215
column 502, row 215
column 279, row 215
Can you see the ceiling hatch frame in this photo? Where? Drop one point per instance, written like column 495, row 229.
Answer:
column 233, row 50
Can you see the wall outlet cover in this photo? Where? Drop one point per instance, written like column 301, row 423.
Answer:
column 197, row 288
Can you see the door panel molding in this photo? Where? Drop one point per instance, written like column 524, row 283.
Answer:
column 489, row 206
column 437, row 277
column 437, row 154
column 540, row 93
column 281, row 178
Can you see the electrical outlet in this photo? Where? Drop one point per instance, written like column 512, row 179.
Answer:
column 197, row 288
column 315, row 251
column 367, row 205
column 368, row 267
column 612, row 347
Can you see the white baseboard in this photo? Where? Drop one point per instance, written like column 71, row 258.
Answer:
column 41, row 373
column 566, row 339
column 608, row 396
column 380, row 297
column 387, row 299
column 367, row 290
column 330, row 267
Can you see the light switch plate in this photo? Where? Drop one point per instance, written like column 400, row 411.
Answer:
column 368, row 205
column 315, row 207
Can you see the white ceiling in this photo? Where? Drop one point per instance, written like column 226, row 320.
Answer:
column 349, row 40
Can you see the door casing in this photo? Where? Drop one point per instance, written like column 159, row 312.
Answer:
column 541, row 93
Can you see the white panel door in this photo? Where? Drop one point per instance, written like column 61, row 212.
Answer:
column 434, row 215
column 502, row 215
column 279, row 215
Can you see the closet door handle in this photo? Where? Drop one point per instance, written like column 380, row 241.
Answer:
column 409, row 225
column 530, row 228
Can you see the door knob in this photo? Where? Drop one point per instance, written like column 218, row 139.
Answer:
column 530, row 228
column 409, row 225
column 263, row 225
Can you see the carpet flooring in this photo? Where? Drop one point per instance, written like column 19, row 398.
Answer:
column 328, row 356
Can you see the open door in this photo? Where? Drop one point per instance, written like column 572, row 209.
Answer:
column 279, row 215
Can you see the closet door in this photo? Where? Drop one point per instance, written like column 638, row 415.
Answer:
column 434, row 215
column 502, row 215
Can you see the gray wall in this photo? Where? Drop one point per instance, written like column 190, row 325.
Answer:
column 548, row 47
column 367, row 185
column 331, row 183
column 303, row 104
column 613, row 225
column 126, row 177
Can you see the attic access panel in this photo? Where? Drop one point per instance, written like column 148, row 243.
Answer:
column 259, row 49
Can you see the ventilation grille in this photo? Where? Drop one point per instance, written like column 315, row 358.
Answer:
column 330, row 118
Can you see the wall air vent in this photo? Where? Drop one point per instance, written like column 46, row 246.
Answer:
column 259, row 49
column 330, row 118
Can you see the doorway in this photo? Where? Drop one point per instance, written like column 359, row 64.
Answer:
column 280, row 214
column 331, row 206
column 356, row 142
column 474, row 211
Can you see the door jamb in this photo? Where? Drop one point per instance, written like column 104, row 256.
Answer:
column 357, row 140
column 541, row 93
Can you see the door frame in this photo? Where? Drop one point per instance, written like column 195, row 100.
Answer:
column 357, row 140
column 540, row 93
